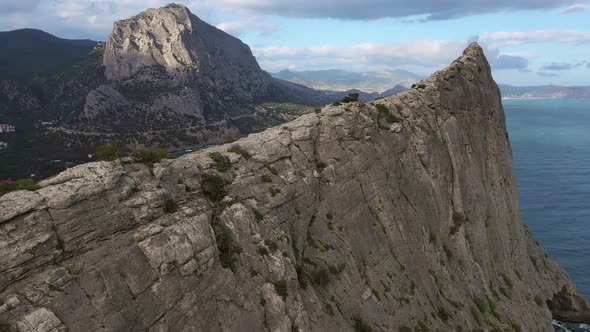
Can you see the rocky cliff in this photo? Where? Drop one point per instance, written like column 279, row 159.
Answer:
column 394, row 215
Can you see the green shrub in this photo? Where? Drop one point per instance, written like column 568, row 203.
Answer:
column 443, row 314
column 151, row 156
column 539, row 301
column 281, row 288
column 229, row 139
column 265, row 178
column 329, row 216
column 274, row 191
column 239, row 150
column 301, row 277
column 227, row 247
column 481, row 304
column 350, row 98
column 27, row 184
column 170, row 206
column 262, row 251
column 336, row 103
column 360, row 326
column 432, row 238
column 320, row 277
column 272, row 170
column 404, row 329
column 222, row 163
column 321, row 165
column 106, row 152
column 257, row 214
column 271, row 245
column 213, row 187
column 384, row 112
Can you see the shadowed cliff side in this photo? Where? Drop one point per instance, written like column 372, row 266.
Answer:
column 397, row 213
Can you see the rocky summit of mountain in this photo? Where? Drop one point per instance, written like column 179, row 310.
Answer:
column 163, row 79
column 400, row 214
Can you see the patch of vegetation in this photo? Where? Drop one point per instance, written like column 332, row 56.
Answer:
column 539, row 301
column 273, row 191
column 405, row 329
column 265, row 178
column 106, row 152
column 443, row 314
column 515, row 326
column 422, row 327
column 272, row 170
column 336, row 103
column 271, row 245
column 329, row 216
column 432, row 238
column 475, row 315
column 222, row 163
column 257, row 214
column 262, row 251
column 21, row 184
column 301, row 277
column 170, row 206
column 229, row 139
column 150, row 156
column 239, row 150
column 329, row 309
column 481, row 304
column 350, row 98
column 320, row 277
column 281, row 288
column 228, row 249
column 384, row 112
column 213, row 187
column 321, row 166
column 419, row 86
column 360, row 326
column 54, row 288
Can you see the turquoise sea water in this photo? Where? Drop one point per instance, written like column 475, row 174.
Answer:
column 551, row 147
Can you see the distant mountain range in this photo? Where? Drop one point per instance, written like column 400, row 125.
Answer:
column 342, row 80
column 544, row 91
column 28, row 53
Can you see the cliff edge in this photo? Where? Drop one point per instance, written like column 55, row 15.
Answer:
column 396, row 214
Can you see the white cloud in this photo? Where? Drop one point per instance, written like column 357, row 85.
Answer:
column 577, row 8
column 505, row 38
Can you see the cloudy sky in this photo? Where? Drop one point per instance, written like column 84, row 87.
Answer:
column 528, row 42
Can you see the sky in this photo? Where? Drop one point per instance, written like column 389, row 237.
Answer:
column 527, row 42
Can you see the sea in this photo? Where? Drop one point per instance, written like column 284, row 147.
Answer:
column 550, row 141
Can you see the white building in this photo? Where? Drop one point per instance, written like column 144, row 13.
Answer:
column 5, row 128
column 3, row 145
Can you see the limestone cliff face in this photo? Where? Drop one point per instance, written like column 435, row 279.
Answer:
column 176, row 40
column 398, row 213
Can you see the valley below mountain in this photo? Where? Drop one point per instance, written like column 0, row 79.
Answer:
column 400, row 214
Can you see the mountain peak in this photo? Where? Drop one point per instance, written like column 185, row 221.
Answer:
column 174, row 40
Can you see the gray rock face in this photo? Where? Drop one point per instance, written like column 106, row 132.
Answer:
column 397, row 213
column 176, row 40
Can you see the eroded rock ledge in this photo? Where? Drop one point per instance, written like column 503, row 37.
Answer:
column 398, row 213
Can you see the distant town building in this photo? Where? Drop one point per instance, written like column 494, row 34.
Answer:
column 5, row 128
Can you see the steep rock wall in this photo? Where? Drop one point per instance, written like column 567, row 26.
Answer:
column 398, row 213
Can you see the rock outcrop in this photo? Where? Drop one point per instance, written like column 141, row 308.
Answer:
column 386, row 216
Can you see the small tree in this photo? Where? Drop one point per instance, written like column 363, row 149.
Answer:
column 350, row 98
column 106, row 152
